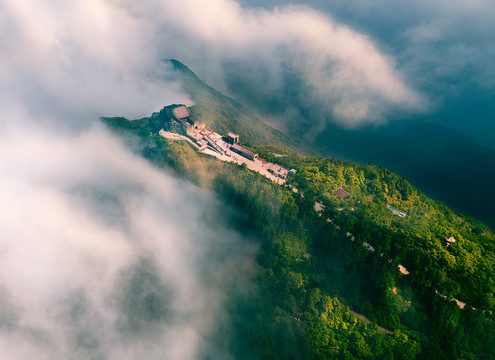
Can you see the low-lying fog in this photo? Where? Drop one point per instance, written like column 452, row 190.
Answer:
column 105, row 257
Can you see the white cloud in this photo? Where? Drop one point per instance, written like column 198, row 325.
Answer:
column 90, row 58
column 349, row 76
column 95, row 56
column 78, row 213
column 341, row 65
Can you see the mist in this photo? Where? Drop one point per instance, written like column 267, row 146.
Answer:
column 104, row 256
column 286, row 59
column 348, row 63
column 442, row 49
column 282, row 60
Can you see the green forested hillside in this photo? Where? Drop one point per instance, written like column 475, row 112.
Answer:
column 463, row 269
column 443, row 163
column 312, row 284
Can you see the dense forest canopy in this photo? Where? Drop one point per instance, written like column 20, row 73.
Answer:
column 327, row 283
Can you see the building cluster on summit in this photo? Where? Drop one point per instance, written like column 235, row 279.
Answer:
column 180, row 124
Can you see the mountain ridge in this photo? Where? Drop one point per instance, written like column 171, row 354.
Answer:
column 224, row 114
column 439, row 161
column 381, row 249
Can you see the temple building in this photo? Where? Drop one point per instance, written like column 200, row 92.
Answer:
column 232, row 138
column 183, row 122
column 241, row 150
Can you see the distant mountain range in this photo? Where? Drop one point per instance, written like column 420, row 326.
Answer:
column 443, row 163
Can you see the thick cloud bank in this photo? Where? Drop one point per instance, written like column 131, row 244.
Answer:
column 82, row 59
column 103, row 256
column 444, row 49
column 263, row 54
column 91, row 55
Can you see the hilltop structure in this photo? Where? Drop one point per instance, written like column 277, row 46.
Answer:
column 241, row 150
column 179, row 124
column 180, row 121
column 278, row 170
column 232, row 138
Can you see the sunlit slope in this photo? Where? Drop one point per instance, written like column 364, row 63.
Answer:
column 439, row 161
column 444, row 164
column 313, row 267
column 223, row 114
column 317, row 269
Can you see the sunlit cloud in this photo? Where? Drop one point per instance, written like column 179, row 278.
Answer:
column 103, row 255
column 88, row 59
column 343, row 71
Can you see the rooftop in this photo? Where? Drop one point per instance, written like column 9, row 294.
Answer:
column 341, row 193
column 181, row 112
column 243, row 150
column 403, row 270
